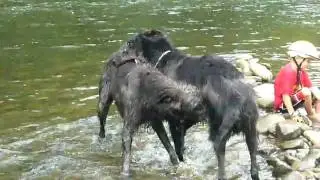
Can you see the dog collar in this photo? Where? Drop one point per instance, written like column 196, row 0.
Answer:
column 162, row 55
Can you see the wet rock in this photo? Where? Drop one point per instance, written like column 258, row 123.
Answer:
column 290, row 159
column 265, row 95
column 243, row 66
column 256, row 78
column 292, row 144
column 266, row 146
column 250, row 81
column 301, row 153
column 279, row 167
column 244, row 56
column 304, row 127
column 267, row 65
column 269, row 122
column 313, row 136
column 317, row 175
column 253, row 80
column 261, row 71
column 307, row 162
column 293, row 175
column 309, row 174
column 287, row 130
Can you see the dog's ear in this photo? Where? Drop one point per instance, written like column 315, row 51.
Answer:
column 153, row 36
column 152, row 33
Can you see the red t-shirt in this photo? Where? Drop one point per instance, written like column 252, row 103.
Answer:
column 285, row 83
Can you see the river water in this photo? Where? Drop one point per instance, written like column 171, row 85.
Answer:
column 51, row 57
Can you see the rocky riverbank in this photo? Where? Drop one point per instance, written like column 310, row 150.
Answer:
column 290, row 147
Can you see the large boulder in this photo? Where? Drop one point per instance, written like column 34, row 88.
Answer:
column 243, row 66
column 265, row 95
column 261, row 71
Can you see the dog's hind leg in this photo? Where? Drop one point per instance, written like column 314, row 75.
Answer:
column 161, row 132
column 251, row 140
column 221, row 137
column 105, row 100
column 127, row 135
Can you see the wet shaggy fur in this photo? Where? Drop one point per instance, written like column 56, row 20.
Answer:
column 231, row 104
column 233, row 110
column 142, row 95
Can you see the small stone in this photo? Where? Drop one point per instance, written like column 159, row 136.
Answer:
column 292, row 144
column 290, row 159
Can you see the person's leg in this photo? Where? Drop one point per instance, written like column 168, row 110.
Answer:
column 315, row 91
column 314, row 117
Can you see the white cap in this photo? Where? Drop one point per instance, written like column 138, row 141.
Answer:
column 303, row 49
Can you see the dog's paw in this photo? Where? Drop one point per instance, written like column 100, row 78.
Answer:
column 125, row 175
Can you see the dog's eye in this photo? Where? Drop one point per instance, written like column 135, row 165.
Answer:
column 166, row 99
column 130, row 43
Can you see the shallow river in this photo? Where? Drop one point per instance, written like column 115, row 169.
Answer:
column 51, row 57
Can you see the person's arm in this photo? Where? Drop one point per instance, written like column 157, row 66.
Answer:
column 288, row 104
column 306, row 80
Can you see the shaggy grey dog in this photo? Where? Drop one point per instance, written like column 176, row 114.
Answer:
column 142, row 95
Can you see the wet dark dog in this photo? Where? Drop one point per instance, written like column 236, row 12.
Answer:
column 231, row 104
column 142, row 94
column 232, row 110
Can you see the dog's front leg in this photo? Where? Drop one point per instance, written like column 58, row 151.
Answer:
column 177, row 134
column 161, row 132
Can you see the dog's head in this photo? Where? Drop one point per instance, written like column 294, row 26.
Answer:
column 121, row 60
column 184, row 102
column 149, row 44
column 193, row 106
